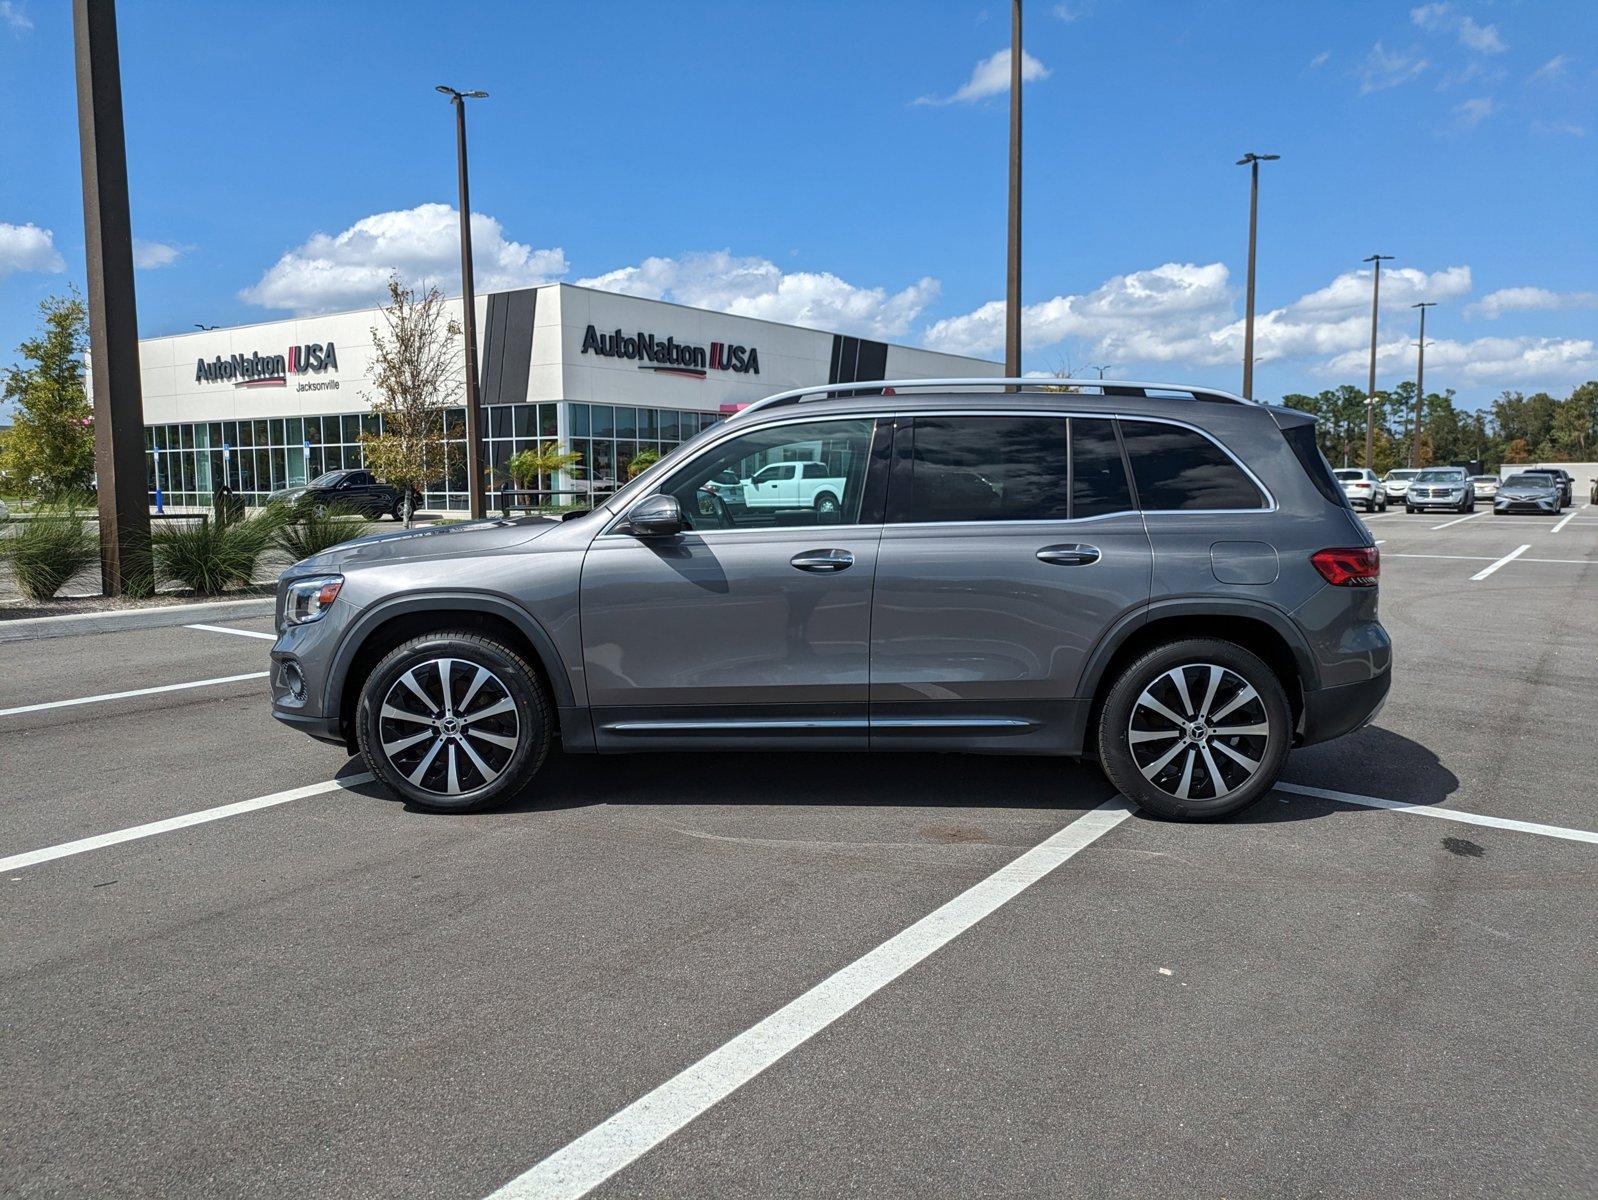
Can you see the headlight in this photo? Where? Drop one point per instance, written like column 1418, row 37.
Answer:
column 308, row 600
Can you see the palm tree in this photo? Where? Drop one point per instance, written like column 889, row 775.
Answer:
column 542, row 461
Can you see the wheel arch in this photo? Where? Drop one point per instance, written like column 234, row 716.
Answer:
column 392, row 622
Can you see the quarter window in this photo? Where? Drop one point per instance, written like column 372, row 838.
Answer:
column 1180, row 469
column 989, row 469
column 1098, row 473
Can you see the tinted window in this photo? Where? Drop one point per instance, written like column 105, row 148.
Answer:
column 1178, row 468
column 989, row 469
column 1098, row 474
column 815, row 470
column 1351, row 474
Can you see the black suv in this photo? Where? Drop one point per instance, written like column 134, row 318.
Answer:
column 350, row 491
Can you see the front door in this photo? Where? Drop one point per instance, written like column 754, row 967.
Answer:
column 1012, row 544
column 752, row 626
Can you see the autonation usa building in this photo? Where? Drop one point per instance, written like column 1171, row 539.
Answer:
column 605, row 375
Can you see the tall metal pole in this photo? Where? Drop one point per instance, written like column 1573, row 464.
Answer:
column 476, row 497
column 1370, row 392
column 1012, row 291
column 1420, row 382
column 1253, row 162
column 113, row 317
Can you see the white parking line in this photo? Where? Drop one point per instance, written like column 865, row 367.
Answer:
column 34, row 857
column 1458, row 520
column 1449, row 557
column 1566, row 521
column 149, row 691
column 1508, row 558
column 271, row 637
column 612, row 1145
column 1444, row 814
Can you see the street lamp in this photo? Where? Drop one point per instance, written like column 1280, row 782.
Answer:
column 197, row 325
column 1100, row 369
column 1012, row 290
column 1253, row 162
column 1420, row 380
column 1376, row 261
column 474, row 421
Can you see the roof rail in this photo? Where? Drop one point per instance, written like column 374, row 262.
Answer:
column 1104, row 387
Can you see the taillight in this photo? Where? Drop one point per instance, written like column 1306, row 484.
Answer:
column 1349, row 566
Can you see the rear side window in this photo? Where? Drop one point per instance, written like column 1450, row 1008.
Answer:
column 815, row 471
column 989, row 469
column 1180, row 469
column 1301, row 441
column 1098, row 473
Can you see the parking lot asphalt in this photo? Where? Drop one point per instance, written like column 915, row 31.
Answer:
column 339, row 996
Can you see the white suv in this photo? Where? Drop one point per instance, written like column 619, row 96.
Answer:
column 1362, row 486
column 1441, row 487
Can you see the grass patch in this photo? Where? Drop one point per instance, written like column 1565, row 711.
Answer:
column 310, row 529
column 209, row 557
column 48, row 549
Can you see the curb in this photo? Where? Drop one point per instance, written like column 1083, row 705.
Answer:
column 27, row 629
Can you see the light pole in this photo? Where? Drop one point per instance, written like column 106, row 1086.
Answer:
column 1376, row 261
column 1420, row 381
column 1100, row 369
column 1012, row 290
column 474, row 417
column 1253, row 161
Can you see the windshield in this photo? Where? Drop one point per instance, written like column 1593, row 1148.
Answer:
column 330, row 479
column 1539, row 481
column 1402, row 474
column 1347, row 475
column 1440, row 476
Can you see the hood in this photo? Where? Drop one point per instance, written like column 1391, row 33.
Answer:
column 465, row 539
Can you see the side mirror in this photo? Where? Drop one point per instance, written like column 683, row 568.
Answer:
column 656, row 516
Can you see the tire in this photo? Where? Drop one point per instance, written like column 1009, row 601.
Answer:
column 1135, row 770
column 1410, row 509
column 1370, row 506
column 1383, row 506
column 486, row 771
column 398, row 511
column 826, row 506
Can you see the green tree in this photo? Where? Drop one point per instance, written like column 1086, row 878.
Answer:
column 49, row 451
column 642, row 461
column 1574, row 431
column 541, row 462
column 416, row 370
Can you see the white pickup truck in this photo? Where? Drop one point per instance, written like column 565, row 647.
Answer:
column 787, row 485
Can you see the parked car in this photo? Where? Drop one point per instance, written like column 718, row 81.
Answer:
column 1363, row 486
column 1440, row 487
column 1563, row 480
column 1397, row 480
column 1175, row 583
column 1592, row 496
column 1486, row 486
column 784, row 486
column 1533, row 492
column 351, row 490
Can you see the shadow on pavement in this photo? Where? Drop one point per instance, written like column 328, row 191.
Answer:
column 1373, row 762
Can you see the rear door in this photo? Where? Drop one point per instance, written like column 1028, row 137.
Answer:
column 1012, row 544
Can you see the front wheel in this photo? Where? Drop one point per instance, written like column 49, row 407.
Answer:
column 1410, row 509
column 454, row 721
column 1195, row 729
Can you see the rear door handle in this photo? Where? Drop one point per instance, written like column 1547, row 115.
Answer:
column 1069, row 555
column 822, row 560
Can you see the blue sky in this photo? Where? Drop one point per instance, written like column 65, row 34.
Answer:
column 843, row 165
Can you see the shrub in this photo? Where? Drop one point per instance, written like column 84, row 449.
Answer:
column 209, row 557
column 311, row 529
column 48, row 549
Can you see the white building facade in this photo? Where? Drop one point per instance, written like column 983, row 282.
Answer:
column 605, row 375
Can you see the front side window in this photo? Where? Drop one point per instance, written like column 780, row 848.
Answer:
column 1180, row 469
column 728, row 487
column 989, row 469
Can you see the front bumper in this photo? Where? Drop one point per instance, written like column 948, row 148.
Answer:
column 1545, row 507
column 1331, row 712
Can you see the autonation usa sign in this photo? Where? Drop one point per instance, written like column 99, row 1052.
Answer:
column 671, row 357
column 267, row 370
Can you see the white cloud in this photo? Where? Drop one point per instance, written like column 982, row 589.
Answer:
column 1442, row 18
column 1385, row 69
column 1483, row 39
column 1529, row 299
column 1474, row 111
column 1069, row 12
column 1559, row 128
column 14, row 16
column 1320, row 60
column 421, row 245
column 28, row 248
column 148, row 256
column 1554, row 68
column 1521, row 362
column 991, row 77
column 756, row 287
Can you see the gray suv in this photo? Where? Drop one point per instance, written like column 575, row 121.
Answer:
column 1169, row 578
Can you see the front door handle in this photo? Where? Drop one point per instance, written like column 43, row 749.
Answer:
column 1070, row 555
column 822, row 560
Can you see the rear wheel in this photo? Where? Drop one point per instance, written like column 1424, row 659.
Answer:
column 1195, row 729
column 454, row 721
column 827, row 507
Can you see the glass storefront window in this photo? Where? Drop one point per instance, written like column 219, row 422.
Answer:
column 601, row 421
column 548, row 420
column 578, row 416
